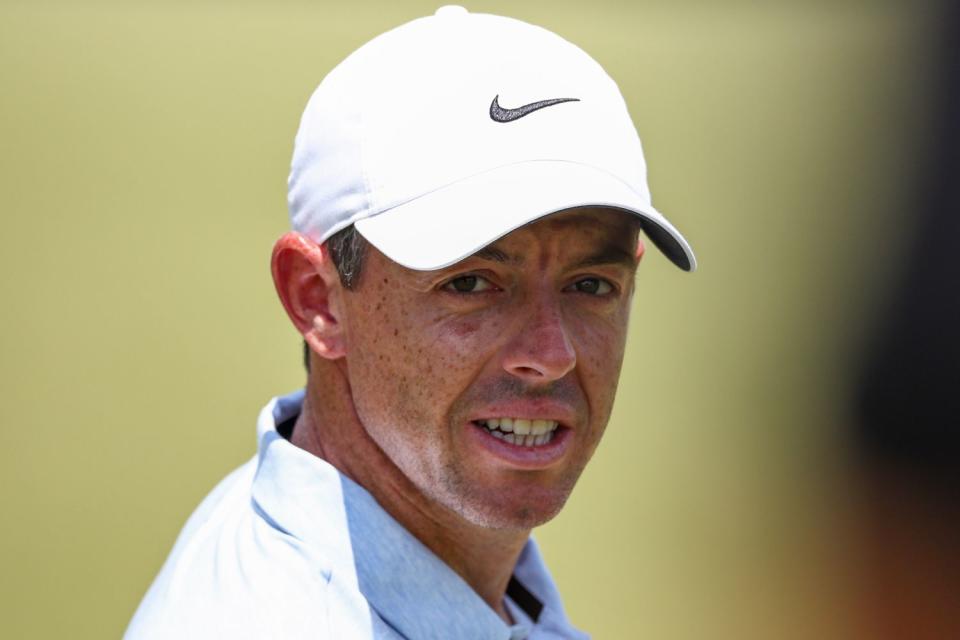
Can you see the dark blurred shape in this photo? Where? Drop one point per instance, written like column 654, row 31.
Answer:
column 908, row 400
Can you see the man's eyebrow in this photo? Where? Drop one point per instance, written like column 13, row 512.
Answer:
column 609, row 255
column 496, row 255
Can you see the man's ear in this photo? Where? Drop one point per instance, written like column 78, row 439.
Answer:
column 641, row 248
column 309, row 288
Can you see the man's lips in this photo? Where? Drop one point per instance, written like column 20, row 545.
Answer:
column 543, row 450
column 526, row 432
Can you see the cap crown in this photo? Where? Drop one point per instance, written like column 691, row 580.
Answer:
column 410, row 112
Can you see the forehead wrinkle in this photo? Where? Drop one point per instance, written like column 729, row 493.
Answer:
column 610, row 254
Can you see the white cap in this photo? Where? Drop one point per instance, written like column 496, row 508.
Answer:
column 446, row 133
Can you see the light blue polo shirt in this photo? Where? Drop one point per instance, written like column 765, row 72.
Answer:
column 287, row 547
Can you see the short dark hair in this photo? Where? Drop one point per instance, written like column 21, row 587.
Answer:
column 347, row 250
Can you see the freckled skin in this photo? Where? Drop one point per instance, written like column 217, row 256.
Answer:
column 421, row 359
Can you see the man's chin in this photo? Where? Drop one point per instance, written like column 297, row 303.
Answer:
column 519, row 515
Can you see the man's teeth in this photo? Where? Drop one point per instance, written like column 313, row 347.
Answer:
column 521, row 431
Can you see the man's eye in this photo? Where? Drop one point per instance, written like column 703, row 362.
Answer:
column 593, row 286
column 468, row 284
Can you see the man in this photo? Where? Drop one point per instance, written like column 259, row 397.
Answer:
column 466, row 194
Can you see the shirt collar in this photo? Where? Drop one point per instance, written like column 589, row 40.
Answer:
column 405, row 583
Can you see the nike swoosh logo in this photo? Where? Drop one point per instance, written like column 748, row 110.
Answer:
column 499, row 114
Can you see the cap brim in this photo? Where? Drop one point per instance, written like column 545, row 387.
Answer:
column 445, row 226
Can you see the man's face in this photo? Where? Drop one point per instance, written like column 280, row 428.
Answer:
column 448, row 368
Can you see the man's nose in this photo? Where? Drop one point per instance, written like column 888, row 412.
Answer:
column 541, row 350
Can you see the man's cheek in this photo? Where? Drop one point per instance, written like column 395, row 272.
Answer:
column 471, row 335
column 600, row 345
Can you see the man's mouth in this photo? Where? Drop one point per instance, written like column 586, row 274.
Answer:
column 521, row 432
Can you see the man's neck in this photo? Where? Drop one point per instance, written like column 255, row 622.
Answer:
column 329, row 428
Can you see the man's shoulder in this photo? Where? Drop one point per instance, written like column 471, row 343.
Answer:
column 233, row 573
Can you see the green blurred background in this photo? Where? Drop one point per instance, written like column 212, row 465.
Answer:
column 145, row 148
